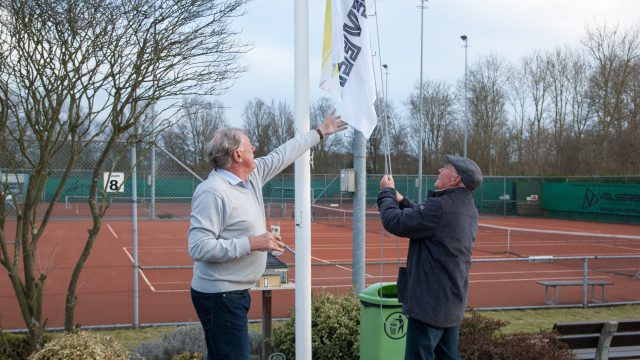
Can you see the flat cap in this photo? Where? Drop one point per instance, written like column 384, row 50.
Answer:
column 467, row 169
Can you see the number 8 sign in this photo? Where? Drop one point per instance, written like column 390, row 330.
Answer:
column 114, row 182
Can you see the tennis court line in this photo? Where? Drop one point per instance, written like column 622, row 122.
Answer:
column 539, row 279
column 144, row 277
column 393, row 276
column 338, row 266
column 621, row 247
column 113, row 232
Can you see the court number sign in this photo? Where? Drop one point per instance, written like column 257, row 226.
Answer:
column 114, row 182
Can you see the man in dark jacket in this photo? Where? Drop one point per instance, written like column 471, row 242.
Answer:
column 442, row 230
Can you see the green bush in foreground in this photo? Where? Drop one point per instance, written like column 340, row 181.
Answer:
column 82, row 345
column 335, row 329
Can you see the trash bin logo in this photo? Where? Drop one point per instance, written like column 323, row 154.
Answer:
column 395, row 325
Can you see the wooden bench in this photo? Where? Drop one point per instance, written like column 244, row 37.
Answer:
column 556, row 285
column 602, row 340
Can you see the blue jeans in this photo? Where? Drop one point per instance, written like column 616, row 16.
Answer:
column 426, row 342
column 224, row 320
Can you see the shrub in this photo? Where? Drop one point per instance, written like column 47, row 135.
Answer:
column 184, row 343
column 542, row 346
column 480, row 339
column 335, row 335
column 187, row 356
column 335, row 324
column 187, row 343
column 13, row 347
column 82, row 345
column 255, row 345
column 477, row 335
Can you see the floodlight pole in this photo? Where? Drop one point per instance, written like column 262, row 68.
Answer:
column 420, row 122
column 466, row 107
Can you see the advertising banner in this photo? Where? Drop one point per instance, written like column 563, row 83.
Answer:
column 617, row 199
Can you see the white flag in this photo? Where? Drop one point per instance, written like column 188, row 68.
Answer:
column 347, row 70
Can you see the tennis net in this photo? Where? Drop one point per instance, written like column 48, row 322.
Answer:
column 333, row 215
column 533, row 242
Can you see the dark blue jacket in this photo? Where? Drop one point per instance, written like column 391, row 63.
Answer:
column 442, row 230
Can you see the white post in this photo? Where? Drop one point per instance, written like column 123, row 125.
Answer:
column 152, row 210
column 302, row 183
column 134, row 210
column 420, row 123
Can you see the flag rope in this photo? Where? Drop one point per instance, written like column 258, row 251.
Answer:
column 387, row 156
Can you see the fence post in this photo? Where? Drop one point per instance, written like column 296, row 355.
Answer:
column 152, row 210
column 134, row 204
column 584, row 284
column 504, row 194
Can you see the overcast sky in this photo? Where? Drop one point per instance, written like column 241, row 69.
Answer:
column 507, row 28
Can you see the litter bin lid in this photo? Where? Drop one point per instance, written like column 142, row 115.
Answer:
column 385, row 293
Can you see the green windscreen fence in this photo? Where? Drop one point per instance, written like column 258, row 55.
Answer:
column 607, row 199
column 592, row 201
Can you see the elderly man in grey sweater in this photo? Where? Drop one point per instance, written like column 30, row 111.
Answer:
column 228, row 240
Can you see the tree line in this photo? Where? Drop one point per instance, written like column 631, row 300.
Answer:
column 566, row 111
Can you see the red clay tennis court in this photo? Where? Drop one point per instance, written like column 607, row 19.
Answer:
column 105, row 291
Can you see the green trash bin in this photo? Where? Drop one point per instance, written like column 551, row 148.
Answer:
column 383, row 326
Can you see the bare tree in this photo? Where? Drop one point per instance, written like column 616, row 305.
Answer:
column 519, row 104
column 257, row 118
column 79, row 71
column 376, row 146
column 570, row 111
column 614, row 54
column 387, row 146
column 176, row 141
column 200, row 120
column 267, row 125
column 402, row 160
column 580, row 113
column 282, row 123
column 629, row 138
column 437, row 117
column 487, row 104
column 328, row 155
column 559, row 70
column 536, row 81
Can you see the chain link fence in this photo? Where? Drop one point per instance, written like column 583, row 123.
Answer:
column 495, row 284
column 107, row 296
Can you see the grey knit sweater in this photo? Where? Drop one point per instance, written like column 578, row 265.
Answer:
column 225, row 216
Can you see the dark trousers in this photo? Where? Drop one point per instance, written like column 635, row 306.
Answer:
column 224, row 320
column 425, row 342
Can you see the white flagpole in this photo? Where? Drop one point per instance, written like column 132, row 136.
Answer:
column 302, row 183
